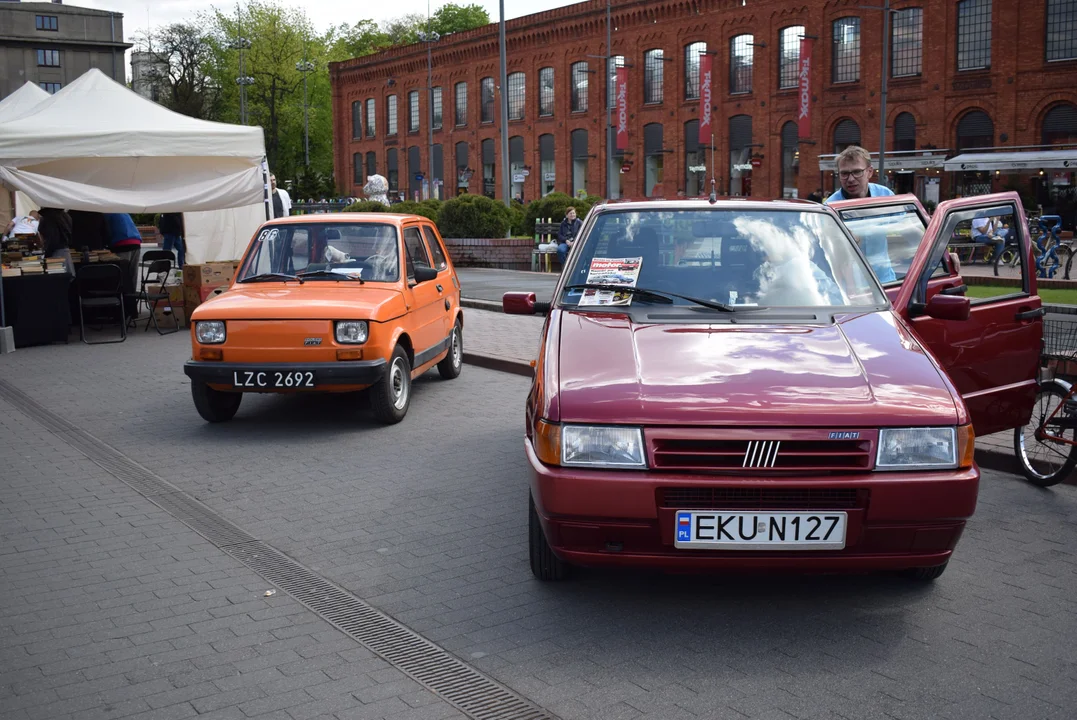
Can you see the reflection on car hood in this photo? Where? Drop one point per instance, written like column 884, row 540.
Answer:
column 866, row 370
column 314, row 299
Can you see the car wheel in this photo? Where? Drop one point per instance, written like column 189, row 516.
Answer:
column 213, row 405
column 391, row 395
column 544, row 564
column 453, row 362
column 927, row 574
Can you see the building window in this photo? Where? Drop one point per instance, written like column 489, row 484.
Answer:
column 845, row 60
column 1061, row 30
column 371, row 163
column 517, row 95
column 579, row 162
column 415, row 170
column 371, row 118
column 435, row 120
column 357, row 168
column 545, row 108
column 357, row 119
column 846, row 133
column 695, row 161
column 741, row 60
column 904, row 132
column 517, row 167
column 413, row 111
column 692, row 54
column 46, row 22
column 580, row 81
column 390, row 115
column 974, row 34
column 463, row 172
column 975, row 130
column 617, row 61
column 548, row 167
column 653, row 158
column 437, row 186
column 50, row 87
column 907, row 42
column 653, row 74
column 392, row 171
column 740, row 155
column 1060, row 125
column 486, row 91
column 48, row 58
column 489, row 173
column 790, row 56
column 460, row 109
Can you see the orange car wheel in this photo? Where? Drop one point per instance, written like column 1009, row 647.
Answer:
column 453, row 362
column 213, row 405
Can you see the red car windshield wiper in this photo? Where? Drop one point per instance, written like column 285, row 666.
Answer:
column 660, row 295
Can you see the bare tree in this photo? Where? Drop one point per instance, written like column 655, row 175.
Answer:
column 184, row 52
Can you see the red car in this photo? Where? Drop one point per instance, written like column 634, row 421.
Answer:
column 755, row 398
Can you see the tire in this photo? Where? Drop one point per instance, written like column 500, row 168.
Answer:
column 213, row 405
column 544, row 564
column 453, row 362
column 1065, row 259
column 1006, row 257
column 1044, row 463
column 927, row 574
column 391, row 396
column 1069, row 265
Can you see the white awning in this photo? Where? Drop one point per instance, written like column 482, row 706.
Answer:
column 902, row 161
column 1026, row 160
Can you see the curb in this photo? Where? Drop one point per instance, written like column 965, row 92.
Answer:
column 475, row 303
column 501, row 364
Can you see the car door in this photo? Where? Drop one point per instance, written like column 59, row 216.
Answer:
column 446, row 282
column 993, row 357
column 890, row 230
column 427, row 308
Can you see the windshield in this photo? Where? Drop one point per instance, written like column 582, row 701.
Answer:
column 739, row 258
column 889, row 237
column 369, row 249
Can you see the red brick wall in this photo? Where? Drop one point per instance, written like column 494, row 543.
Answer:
column 503, row 253
column 1016, row 91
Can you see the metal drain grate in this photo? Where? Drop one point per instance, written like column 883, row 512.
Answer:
column 459, row 684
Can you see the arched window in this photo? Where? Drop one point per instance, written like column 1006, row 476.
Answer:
column 371, row 163
column 579, row 161
column 904, row 132
column 486, row 99
column 653, row 75
column 973, row 34
column 463, row 180
column 547, row 164
column 741, row 61
column 392, row 170
column 415, row 169
column 790, row 56
column 390, row 115
column 460, row 109
column 740, row 155
column 845, row 56
column 790, row 159
column 489, row 174
column 1060, row 125
column 692, row 53
column 517, row 94
column 437, row 186
column 580, row 82
column 975, row 130
column 907, row 42
column 846, row 133
column 545, row 108
column 653, row 157
column 695, row 161
column 1061, row 30
column 516, row 166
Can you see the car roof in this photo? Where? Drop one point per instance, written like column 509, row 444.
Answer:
column 731, row 203
column 352, row 217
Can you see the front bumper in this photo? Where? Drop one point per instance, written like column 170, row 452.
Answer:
column 616, row 518
column 259, row 377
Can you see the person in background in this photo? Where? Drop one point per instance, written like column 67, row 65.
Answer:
column 282, row 202
column 170, row 226
column 986, row 230
column 55, row 232
column 855, row 171
column 817, row 196
column 23, row 225
column 125, row 241
column 566, row 234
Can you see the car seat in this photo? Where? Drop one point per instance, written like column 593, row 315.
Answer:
column 740, row 265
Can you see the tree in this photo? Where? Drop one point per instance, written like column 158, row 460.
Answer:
column 363, row 38
column 404, row 30
column 183, row 69
column 451, row 18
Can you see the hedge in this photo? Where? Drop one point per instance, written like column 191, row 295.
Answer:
column 473, row 216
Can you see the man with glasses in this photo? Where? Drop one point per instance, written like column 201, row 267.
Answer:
column 855, row 171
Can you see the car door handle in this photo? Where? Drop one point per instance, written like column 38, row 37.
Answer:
column 1031, row 314
column 440, row 289
column 956, row 290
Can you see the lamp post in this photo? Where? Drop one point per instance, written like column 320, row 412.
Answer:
column 887, row 13
column 506, row 188
column 430, row 38
column 305, row 67
column 241, row 43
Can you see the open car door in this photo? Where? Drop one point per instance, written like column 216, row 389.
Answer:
column 990, row 344
column 890, row 230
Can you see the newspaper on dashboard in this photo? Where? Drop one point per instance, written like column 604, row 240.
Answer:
column 611, row 271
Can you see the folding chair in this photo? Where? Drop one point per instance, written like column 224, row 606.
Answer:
column 156, row 267
column 100, row 287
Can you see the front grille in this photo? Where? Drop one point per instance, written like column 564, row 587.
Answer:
column 762, row 498
column 762, row 455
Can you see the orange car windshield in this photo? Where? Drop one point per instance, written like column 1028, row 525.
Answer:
column 370, row 249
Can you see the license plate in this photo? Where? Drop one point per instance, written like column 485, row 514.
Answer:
column 272, row 379
column 711, row 529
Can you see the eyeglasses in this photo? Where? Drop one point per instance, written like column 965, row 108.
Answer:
column 858, row 173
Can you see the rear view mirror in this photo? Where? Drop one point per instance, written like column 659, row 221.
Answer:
column 523, row 303
column 425, row 274
column 948, row 307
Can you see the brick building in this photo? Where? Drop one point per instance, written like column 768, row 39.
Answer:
column 963, row 75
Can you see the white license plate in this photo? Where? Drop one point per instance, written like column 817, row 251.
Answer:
column 709, row 529
column 272, row 379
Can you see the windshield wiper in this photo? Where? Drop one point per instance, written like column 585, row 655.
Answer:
column 269, row 276
column 330, row 273
column 661, row 295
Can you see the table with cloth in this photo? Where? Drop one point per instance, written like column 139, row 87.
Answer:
column 37, row 307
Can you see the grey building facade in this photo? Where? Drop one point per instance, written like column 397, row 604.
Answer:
column 51, row 44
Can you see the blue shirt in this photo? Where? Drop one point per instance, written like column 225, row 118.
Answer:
column 873, row 191
column 121, row 228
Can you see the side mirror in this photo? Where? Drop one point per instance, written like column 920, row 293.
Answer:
column 948, row 307
column 523, row 303
column 425, row 274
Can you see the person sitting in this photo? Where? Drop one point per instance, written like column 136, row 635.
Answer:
column 23, row 226
column 566, row 234
column 985, row 230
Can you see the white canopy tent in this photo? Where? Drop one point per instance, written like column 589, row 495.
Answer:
column 14, row 105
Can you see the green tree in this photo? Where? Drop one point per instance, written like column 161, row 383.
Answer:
column 363, row 38
column 404, row 30
column 451, row 18
column 183, row 71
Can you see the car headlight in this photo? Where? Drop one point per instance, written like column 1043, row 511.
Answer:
column 602, row 446
column 210, row 332
column 939, row 448
column 352, row 332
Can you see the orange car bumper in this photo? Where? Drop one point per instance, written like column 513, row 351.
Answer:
column 285, row 377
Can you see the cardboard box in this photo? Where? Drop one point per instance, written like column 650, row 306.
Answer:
column 175, row 292
column 164, row 315
column 195, row 296
column 210, row 275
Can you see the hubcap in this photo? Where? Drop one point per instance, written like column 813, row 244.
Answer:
column 457, row 348
column 398, row 380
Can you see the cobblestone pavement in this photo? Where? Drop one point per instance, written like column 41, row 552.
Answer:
column 110, row 608
column 491, row 284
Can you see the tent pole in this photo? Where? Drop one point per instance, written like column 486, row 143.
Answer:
column 266, row 200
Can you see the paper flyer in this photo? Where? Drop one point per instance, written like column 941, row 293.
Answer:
column 611, row 271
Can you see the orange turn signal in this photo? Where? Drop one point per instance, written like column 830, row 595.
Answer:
column 966, row 446
column 349, row 354
column 547, row 440
column 210, row 354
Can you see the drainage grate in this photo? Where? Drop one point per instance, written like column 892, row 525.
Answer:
column 459, row 684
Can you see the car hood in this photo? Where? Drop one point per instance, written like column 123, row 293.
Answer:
column 313, row 300
column 866, row 370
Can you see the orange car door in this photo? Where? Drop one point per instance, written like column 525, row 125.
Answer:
column 427, row 311
column 446, row 282
column 993, row 357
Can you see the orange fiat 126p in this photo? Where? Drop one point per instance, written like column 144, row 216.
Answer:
column 330, row 303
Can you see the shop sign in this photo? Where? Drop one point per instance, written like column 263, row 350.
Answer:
column 622, row 108
column 697, row 168
column 517, row 177
column 742, row 167
column 549, row 176
column 757, row 162
column 705, row 130
column 804, row 86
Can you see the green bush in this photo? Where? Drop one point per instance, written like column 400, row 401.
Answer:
column 473, row 216
column 518, row 218
column 367, row 206
column 553, row 206
column 410, row 207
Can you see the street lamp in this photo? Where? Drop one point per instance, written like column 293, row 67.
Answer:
column 305, row 67
column 241, row 43
column 887, row 14
column 505, row 187
column 430, row 38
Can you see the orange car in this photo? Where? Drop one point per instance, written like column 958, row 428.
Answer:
column 330, row 303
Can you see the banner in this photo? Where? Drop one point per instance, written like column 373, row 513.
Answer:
column 622, row 109
column 705, row 100
column 804, row 85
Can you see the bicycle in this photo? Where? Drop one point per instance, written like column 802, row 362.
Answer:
column 1050, row 253
column 1046, row 448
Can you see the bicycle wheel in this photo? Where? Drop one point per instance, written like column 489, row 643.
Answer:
column 1065, row 258
column 1008, row 257
column 1045, row 462
column 1069, row 266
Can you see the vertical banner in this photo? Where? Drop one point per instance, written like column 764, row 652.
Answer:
column 705, row 100
column 804, row 86
column 622, row 108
